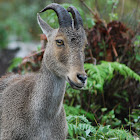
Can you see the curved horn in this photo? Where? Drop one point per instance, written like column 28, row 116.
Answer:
column 76, row 16
column 63, row 15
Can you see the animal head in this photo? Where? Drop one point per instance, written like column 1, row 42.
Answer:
column 64, row 54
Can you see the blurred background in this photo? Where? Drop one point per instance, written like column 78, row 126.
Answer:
column 112, row 96
column 19, row 28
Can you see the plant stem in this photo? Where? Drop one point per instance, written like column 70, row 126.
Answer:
column 87, row 7
column 122, row 10
column 129, row 120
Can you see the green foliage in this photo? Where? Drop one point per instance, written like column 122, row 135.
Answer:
column 70, row 110
column 80, row 128
column 39, row 48
column 113, row 16
column 3, row 37
column 99, row 74
column 15, row 63
column 20, row 21
column 137, row 48
column 109, row 118
column 134, row 120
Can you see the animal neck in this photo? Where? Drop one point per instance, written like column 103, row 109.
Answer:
column 48, row 98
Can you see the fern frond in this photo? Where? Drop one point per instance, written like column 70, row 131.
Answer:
column 73, row 119
column 70, row 110
column 87, row 127
column 85, row 131
column 120, row 134
column 99, row 74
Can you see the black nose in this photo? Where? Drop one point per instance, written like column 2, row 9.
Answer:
column 82, row 77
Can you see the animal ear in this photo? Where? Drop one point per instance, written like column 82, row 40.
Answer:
column 46, row 29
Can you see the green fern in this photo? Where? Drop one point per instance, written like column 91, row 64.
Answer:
column 70, row 110
column 80, row 128
column 99, row 74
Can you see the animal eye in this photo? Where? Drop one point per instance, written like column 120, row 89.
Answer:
column 59, row 42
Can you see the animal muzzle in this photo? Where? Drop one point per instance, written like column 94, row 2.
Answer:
column 77, row 80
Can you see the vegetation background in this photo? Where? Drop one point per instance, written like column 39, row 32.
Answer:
column 109, row 107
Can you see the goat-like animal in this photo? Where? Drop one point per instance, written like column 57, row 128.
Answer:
column 32, row 105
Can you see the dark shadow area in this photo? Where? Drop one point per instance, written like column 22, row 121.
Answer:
column 6, row 55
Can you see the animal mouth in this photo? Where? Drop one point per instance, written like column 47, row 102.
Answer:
column 73, row 85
